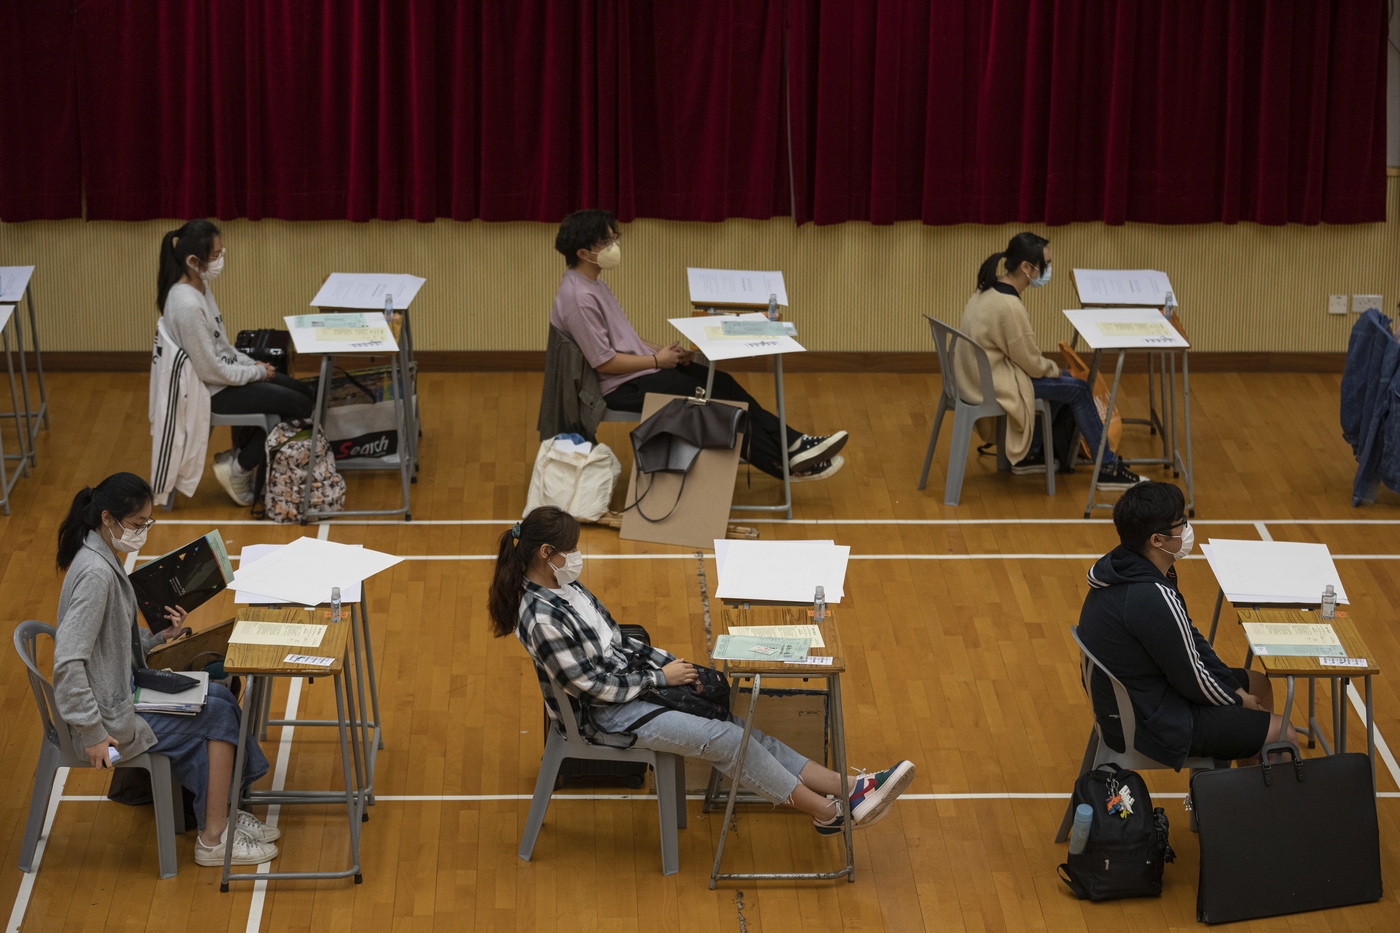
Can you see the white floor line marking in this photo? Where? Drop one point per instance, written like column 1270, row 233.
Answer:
column 279, row 782
column 323, row 532
column 1382, row 749
column 506, row 522
column 593, row 556
column 26, row 883
column 1263, row 530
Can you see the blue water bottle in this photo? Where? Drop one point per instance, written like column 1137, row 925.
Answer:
column 1079, row 835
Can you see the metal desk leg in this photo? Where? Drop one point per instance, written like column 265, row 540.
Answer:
column 1215, row 617
column 1342, row 728
column 22, row 435
column 346, row 686
column 251, row 699
column 1172, row 456
column 1186, row 410
column 782, row 434
column 734, row 779
column 363, row 612
column 367, row 744
column 43, row 411
column 318, row 414
column 1370, row 730
column 838, row 764
column 353, row 810
column 1288, row 700
column 1103, row 436
column 29, row 430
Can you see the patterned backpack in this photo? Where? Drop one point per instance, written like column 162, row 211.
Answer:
column 288, row 446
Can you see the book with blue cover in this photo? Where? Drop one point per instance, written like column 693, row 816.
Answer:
column 760, row 648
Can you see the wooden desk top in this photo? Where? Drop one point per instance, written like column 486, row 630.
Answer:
column 787, row 615
column 1284, row 665
column 267, row 659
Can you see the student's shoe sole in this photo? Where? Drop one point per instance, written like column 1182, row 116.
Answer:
column 877, row 802
column 824, row 451
column 837, row 462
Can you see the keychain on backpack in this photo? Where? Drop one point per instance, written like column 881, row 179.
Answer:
column 1120, row 800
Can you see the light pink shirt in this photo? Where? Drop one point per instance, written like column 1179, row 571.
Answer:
column 589, row 312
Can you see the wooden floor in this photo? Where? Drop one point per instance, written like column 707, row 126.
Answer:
column 960, row 659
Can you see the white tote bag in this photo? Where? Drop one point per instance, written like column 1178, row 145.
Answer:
column 573, row 475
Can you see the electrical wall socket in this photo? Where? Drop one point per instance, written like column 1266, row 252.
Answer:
column 1336, row 304
column 1360, row 304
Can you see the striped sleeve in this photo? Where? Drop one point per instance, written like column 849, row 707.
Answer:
column 1181, row 659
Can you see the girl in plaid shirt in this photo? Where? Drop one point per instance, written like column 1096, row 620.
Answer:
column 575, row 643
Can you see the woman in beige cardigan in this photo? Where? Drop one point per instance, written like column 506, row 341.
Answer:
column 997, row 321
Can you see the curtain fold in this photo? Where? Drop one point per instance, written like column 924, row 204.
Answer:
column 943, row 111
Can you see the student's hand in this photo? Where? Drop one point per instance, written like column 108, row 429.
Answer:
column 671, row 357
column 679, row 672
column 97, row 754
column 268, row 371
column 686, row 357
column 1249, row 700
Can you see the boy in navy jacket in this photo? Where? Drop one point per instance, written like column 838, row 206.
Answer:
column 1186, row 701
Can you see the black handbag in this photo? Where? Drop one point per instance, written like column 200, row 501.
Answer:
column 1128, row 847
column 1282, row 838
column 708, row 698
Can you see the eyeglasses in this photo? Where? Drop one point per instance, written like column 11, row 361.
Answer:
column 604, row 244
column 140, row 526
column 1172, row 532
column 218, row 254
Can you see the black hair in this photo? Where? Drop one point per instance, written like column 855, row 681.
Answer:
column 518, row 546
column 580, row 230
column 122, row 494
column 195, row 238
column 1024, row 247
column 1145, row 510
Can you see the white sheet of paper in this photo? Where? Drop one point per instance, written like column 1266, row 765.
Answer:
column 783, row 571
column 1123, row 287
column 812, row 632
column 727, row 348
column 291, row 634
column 812, row 659
column 366, row 290
column 1263, row 572
column 722, row 552
column 313, row 659
column 734, row 287
column 304, row 571
column 15, row 279
column 6, row 312
column 308, row 341
column 252, row 553
column 1127, row 328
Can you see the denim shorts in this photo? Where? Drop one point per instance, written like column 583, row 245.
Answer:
column 184, row 740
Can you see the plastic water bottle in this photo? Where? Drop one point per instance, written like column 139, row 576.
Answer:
column 1079, row 835
column 335, row 604
column 1329, row 603
column 1169, row 306
column 772, row 306
column 388, row 308
column 819, row 605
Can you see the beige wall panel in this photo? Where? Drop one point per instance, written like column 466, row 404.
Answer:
column 853, row 286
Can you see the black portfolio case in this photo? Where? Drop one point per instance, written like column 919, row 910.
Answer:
column 584, row 772
column 268, row 346
column 1283, row 838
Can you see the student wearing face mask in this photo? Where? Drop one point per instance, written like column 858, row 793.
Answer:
column 575, row 643
column 191, row 258
column 629, row 367
column 996, row 320
column 99, row 644
column 1187, row 702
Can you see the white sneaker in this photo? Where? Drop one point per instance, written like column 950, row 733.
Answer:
column 262, row 832
column 246, row 850
column 237, row 484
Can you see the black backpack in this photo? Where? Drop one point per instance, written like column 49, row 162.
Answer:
column 1125, row 855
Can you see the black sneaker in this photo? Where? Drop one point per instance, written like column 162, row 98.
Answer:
column 824, row 470
column 808, row 450
column 1119, row 476
column 1034, row 463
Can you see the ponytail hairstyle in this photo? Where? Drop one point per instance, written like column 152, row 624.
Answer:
column 195, row 238
column 121, row 494
column 519, row 545
column 1024, row 247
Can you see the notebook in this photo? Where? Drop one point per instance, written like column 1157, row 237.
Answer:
column 185, row 703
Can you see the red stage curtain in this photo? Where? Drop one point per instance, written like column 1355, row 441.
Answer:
column 40, row 168
column 1173, row 111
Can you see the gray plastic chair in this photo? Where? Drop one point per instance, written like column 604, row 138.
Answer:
column 1097, row 751
column 670, row 782
column 58, row 750
column 256, row 420
column 966, row 414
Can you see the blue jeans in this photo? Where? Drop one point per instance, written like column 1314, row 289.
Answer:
column 1067, row 390
column 771, row 769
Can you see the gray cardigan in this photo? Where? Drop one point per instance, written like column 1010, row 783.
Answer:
column 197, row 327
column 95, row 651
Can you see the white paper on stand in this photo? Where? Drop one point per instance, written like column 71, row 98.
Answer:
column 729, row 287
column 366, row 290
column 1125, row 328
column 1130, row 287
column 781, row 571
column 252, row 553
column 6, row 312
column 327, row 333
column 304, row 571
column 15, row 279
column 1262, row 572
column 728, row 348
column 287, row 634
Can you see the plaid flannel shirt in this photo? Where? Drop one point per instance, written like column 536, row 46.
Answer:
column 566, row 650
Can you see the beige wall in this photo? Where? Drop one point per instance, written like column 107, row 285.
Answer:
column 853, row 286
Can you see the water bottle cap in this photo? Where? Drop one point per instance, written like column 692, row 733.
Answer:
column 1084, row 810
column 1329, row 591
column 335, row 592
column 821, row 592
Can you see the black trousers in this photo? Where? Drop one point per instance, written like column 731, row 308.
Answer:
column 281, row 395
column 766, row 449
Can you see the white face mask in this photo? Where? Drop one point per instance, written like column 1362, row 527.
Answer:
column 129, row 540
column 573, row 566
column 1044, row 278
column 1188, row 541
column 610, row 258
column 216, row 267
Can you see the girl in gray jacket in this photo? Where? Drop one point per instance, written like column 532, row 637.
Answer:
column 99, row 644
